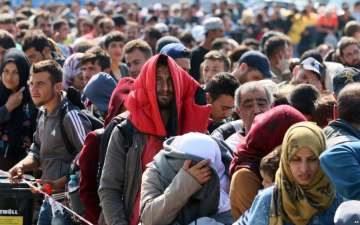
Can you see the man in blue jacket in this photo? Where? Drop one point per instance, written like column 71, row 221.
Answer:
column 341, row 162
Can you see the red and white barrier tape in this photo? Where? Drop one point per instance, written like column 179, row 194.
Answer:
column 4, row 173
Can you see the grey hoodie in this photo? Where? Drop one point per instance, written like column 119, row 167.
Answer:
column 170, row 195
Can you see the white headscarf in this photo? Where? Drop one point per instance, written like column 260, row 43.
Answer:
column 71, row 69
column 205, row 147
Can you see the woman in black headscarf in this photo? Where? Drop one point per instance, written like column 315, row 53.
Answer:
column 17, row 112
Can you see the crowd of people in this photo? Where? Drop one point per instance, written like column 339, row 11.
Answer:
column 171, row 114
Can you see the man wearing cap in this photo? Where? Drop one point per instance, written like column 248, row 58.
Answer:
column 214, row 28
column 179, row 53
column 253, row 65
column 311, row 72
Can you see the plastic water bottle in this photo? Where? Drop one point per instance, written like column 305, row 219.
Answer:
column 74, row 195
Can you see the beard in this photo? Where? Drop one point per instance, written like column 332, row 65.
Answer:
column 165, row 101
column 45, row 100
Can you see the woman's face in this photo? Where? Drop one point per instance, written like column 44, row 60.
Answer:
column 304, row 165
column 11, row 77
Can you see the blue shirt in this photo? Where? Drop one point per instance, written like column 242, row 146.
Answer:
column 341, row 163
column 259, row 212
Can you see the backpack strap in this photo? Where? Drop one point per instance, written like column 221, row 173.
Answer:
column 126, row 130
column 68, row 145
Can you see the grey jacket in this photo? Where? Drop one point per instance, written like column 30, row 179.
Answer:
column 170, row 195
column 121, row 176
column 48, row 145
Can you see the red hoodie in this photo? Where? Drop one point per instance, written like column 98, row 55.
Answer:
column 265, row 134
column 145, row 114
column 118, row 97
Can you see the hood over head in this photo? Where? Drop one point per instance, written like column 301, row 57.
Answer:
column 23, row 65
column 265, row 134
column 99, row 89
column 118, row 98
column 143, row 105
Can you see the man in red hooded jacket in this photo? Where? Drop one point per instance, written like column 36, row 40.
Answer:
column 165, row 101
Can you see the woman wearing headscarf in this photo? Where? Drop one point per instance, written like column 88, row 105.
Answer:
column 17, row 112
column 302, row 194
column 265, row 134
column 72, row 74
column 186, row 183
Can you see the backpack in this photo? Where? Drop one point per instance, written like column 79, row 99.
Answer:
column 98, row 145
column 74, row 102
column 126, row 129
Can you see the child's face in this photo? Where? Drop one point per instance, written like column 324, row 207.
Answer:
column 267, row 179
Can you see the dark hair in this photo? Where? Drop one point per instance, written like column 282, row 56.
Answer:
column 6, row 40
column 153, row 33
column 164, row 41
column 349, row 103
column 304, row 97
column 23, row 25
column 251, row 42
column 222, row 84
column 119, row 20
column 51, row 67
column 114, row 36
column 356, row 4
column 186, row 38
column 139, row 44
column 97, row 55
column 236, row 54
column 273, row 45
column 312, row 53
column 58, row 23
column 345, row 42
column 351, row 28
column 162, row 61
column 26, row 11
column 35, row 39
column 83, row 46
column 40, row 15
column 324, row 109
column 219, row 43
column 266, row 37
column 97, row 18
column 7, row 18
column 270, row 163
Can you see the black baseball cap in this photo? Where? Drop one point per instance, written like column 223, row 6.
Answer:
column 257, row 60
column 346, row 76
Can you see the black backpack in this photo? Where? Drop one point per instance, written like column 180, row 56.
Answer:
column 126, row 129
column 95, row 124
column 74, row 103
